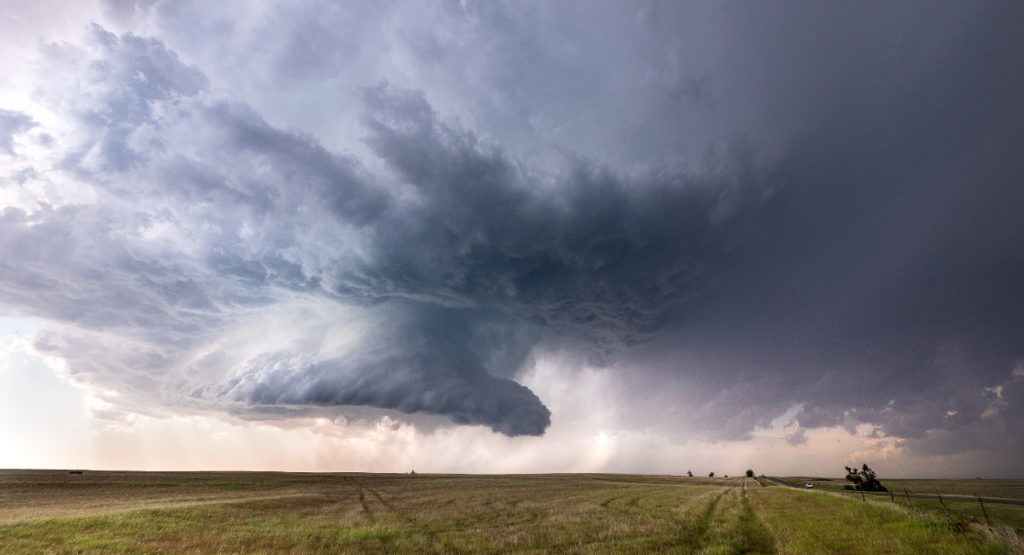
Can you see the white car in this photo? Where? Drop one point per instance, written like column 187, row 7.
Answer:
column 809, row 485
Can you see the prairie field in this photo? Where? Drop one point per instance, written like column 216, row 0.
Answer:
column 271, row 513
column 960, row 497
column 995, row 489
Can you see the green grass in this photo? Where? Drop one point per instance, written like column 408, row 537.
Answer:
column 959, row 497
column 996, row 489
column 263, row 513
column 817, row 522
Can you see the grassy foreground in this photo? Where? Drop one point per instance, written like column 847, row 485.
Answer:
column 373, row 513
column 967, row 488
column 960, row 498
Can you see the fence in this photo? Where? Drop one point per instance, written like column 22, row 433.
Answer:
column 942, row 499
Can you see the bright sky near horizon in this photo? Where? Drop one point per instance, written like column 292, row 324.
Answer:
column 475, row 237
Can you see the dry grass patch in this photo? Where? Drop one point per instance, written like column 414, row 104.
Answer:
column 364, row 513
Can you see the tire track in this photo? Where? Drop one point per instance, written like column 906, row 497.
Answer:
column 754, row 536
column 352, row 483
column 609, row 501
column 692, row 534
column 387, row 505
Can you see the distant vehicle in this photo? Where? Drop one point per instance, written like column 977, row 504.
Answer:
column 809, row 485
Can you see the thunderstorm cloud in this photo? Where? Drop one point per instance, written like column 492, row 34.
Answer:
column 306, row 207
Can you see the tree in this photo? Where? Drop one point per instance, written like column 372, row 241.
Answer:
column 690, row 474
column 750, row 474
column 864, row 479
column 712, row 475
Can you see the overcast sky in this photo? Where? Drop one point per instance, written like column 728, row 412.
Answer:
column 535, row 236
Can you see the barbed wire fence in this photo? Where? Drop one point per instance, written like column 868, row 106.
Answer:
column 910, row 496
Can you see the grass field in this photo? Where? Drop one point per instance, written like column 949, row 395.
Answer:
column 374, row 513
column 1001, row 489
column 960, row 497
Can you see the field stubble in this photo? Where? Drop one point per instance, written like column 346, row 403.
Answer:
column 375, row 513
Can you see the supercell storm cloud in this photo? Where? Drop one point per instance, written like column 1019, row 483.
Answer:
column 308, row 207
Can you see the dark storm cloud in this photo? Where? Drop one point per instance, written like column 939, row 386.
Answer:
column 888, row 291
column 740, row 208
column 432, row 360
column 458, row 226
column 591, row 250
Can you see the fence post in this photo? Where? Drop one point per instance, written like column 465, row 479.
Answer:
column 862, row 496
column 943, row 504
column 893, row 497
column 983, row 511
column 909, row 502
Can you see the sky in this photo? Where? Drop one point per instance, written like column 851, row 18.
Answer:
column 483, row 237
